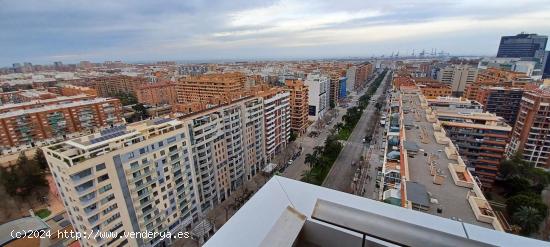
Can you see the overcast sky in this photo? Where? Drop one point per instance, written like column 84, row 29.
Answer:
column 43, row 31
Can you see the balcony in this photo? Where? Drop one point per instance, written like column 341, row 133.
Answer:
column 461, row 176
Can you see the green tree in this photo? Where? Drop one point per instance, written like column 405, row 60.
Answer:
column 528, row 218
column 40, row 159
column 311, row 159
column 126, row 98
column 293, row 136
column 317, row 150
column 339, row 126
column 32, row 177
column 516, row 185
column 140, row 112
column 9, row 180
column 308, row 176
column 528, row 200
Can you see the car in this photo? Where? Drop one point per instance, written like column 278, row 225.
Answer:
column 364, row 140
column 290, row 162
column 440, row 150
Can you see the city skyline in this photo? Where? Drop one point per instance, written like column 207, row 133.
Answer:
column 73, row 31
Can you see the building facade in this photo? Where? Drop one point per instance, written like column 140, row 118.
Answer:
column 522, row 45
column 504, row 102
column 532, row 128
column 128, row 179
column 71, row 90
column 56, row 121
column 459, row 76
column 299, row 106
column 435, row 90
column 342, row 91
column 494, row 77
column 277, row 117
column 157, row 94
column 165, row 174
column 318, row 97
column 481, row 140
column 110, row 86
column 203, row 87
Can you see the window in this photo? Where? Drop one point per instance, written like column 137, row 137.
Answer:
column 82, row 174
column 102, row 178
column 85, row 186
column 100, row 167
column 171, row 139
column 105, row 188
column 134, row 165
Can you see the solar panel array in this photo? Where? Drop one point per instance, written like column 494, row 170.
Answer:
column 108, row 136
column 113, row 130
column 161, row 120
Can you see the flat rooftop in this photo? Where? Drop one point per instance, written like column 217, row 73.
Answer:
column 54, row 107
column 8, row 106
column 286, row 212
column 451, row 199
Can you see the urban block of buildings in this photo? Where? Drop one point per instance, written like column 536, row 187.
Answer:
column 422, row 167
column 36, row 123
column 531, row 132
column 165, row 174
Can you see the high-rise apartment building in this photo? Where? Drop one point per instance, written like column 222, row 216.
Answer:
column 532, row 129
column 158, row 175
column 357, row 75
column 30, row 126
column 298, row 105
column 21, row 96
column 277, row 120
column 435, row 90
column 495, row 77
column 203, row 87
column 70, row 90
column 133, row 178
column 319, row 87
column 458, row 76
column 334, row 88
column 504, row 102
column 522, row 45
column 546, row 65
column 109, row 86
column 350, row 74
column 481, row 140
column 44, row 102
column 157, row 94
column 342, row 90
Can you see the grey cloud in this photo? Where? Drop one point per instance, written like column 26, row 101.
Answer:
column 41, row 31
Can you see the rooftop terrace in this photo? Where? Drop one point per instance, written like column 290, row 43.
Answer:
column 451, row 188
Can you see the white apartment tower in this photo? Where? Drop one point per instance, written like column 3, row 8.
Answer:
column 350, row 82
column 127, row 179
column 319, row 87
column 458, row 76
column 160, row 175
column 277, row 121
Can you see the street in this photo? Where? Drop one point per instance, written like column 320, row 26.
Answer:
column 342, row 171
column 298, row 166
